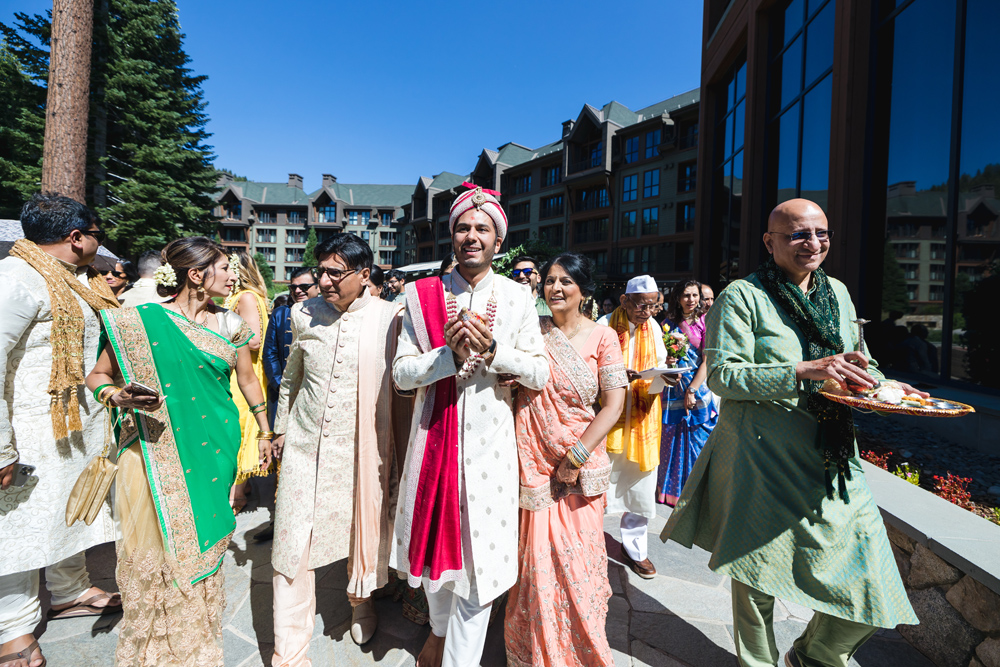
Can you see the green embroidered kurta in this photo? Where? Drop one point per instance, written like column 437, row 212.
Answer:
column 756, row 498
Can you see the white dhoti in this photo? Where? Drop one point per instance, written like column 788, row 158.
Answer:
column 463, row 623
column 20, row 609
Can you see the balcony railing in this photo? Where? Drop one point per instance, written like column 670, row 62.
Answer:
column 550, row 212
column 585, row 164
column 687, row 141
column 593, row 200
column 687, row 184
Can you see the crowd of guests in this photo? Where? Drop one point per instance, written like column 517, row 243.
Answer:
column 462, row 436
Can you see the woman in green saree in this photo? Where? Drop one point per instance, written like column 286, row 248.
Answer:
column 177, row 454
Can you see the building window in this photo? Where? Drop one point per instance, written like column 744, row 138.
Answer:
column 296, row 236
column 326, row 213
column 687, row 177
column 270, row 254
column 935, row 293
column 520, row 213
column 265, row 217
column 387, row 238
column 589, row 155
column 591, row 231
column 366, row 217
column 551, row 207
column 425, row 254
column 651, row 183
column 910, row 271
column 628, row 228
column 685, row 216
column 443, row 230
column 631, row 150
column 689, row 137
column 630, row 187
column 726, row 203
column 912, row 291
column 683, row 256
column 293, row 254
column 522, row 184
column 647, row 259
column 352, row 217
column 651, row 221
column 289, row 270
column 553, row 235
column 296, row 218
column 366, row 235
column 652, row 143
column 599, row 260
column 443, row 250
column 234, row 235
column 551, row 176
column 234, row 211
column 938, row 250
column 628, row 261
column 801, row 86
column 518, row 238
column 386, row 218
column 908, row 251
column 591, row 198
column 267, row 236
column 937, row 272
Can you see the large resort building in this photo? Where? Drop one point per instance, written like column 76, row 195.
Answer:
column 274, row 219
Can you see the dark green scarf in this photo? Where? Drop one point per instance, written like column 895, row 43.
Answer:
column 818, row 319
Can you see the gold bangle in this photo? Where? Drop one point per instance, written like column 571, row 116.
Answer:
column 106, row 401
column 265, row 435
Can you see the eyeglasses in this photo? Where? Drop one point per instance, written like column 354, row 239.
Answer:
column 641, row 306
column 305, row 287
column 822, row 235
column 517, row 272
column 99, row 234
column 336, row 275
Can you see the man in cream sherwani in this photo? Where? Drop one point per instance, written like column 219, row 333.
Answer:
column 338, row 472
column 61, row 241
column 456, row 529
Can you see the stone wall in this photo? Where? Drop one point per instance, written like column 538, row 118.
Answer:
column 959, row 616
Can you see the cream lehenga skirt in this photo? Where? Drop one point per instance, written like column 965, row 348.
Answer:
column 167, row 621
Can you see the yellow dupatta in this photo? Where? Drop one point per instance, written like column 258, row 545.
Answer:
column 248, row 460
column 641, row 439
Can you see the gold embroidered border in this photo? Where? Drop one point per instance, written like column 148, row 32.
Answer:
column 592, row 482
column 613, row 376
column 132, row 348
column 572, row 364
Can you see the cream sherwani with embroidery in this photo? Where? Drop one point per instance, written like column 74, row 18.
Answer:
column 322, row 410
column 488, row 479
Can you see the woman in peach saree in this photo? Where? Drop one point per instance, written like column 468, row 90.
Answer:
column 557, row 610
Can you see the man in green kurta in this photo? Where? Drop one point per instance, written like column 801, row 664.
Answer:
column 778, row 495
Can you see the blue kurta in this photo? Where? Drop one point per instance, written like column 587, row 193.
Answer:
column 757, row 497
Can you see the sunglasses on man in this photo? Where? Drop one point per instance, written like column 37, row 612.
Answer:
column 305, row 287
column 99, row 234
column 527, row 272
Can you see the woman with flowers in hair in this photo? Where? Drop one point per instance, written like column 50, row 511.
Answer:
column 248, row 299
column 689, row 413
column 178, row 436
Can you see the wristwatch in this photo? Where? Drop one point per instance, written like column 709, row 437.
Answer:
column 491, row 350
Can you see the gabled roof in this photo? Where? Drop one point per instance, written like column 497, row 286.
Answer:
column 371, row 194
column 446, row 180
column 671, row 104
column 269, row 194
column 618, row 113
column 512, row 154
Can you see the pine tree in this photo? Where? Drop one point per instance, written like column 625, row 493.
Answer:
column 309, row 254
column 265, row 269
column 23, row 74
column 894, row 296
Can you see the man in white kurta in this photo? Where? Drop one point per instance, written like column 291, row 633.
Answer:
column 33, row 531
column 338, row 473
column 459, row 604
column 632, row 492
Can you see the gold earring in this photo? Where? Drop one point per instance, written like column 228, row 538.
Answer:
column 201, row 288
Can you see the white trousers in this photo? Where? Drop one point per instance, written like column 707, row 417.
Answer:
column 634, row 535
column 20, row 609
column 462, row 624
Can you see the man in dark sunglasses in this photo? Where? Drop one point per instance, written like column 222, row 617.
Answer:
column 525, row 272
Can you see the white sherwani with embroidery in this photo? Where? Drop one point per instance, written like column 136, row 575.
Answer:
column 33, row 532
column 488, row 476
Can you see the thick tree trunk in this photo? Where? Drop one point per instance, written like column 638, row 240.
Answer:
column 64, row 159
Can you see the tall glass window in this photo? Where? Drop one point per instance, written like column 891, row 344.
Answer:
column 727, row 177
column 801, row 87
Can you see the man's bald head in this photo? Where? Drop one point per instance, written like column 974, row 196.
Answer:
column 786, row 214
column 793, row 238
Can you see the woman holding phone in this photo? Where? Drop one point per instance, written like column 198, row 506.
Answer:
column 178, row 438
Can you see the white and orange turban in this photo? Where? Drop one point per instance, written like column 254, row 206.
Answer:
column 484, row 200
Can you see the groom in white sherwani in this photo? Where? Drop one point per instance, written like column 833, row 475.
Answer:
column 464, row 336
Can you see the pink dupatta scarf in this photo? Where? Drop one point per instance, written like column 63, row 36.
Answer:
column 436, row 529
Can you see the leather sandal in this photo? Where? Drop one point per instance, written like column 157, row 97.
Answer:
column 23, row 654
column 87, row 608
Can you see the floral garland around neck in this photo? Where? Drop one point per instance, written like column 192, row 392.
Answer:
column 234, row 268
column 166, row 276
column 474, row 359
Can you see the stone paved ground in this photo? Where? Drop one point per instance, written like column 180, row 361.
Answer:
column 681, row 617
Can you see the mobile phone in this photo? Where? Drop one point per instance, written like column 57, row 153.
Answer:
column 21, row 473
column 139, row 389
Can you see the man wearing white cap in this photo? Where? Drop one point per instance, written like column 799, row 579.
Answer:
column 463, row 336
column 634, row 443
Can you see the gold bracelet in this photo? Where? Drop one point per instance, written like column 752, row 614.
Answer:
column 265, row 435
column 106, row 402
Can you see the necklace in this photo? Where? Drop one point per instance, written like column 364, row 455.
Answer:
column 575, row 331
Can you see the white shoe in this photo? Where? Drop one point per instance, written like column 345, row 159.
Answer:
column 364, row 620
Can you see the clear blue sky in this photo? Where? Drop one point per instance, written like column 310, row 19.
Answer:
column 386, row 92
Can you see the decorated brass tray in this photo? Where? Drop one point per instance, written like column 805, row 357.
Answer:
column 934, row 407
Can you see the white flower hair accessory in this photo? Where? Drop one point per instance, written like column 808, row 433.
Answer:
column 234, row 268
column 165, row 276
